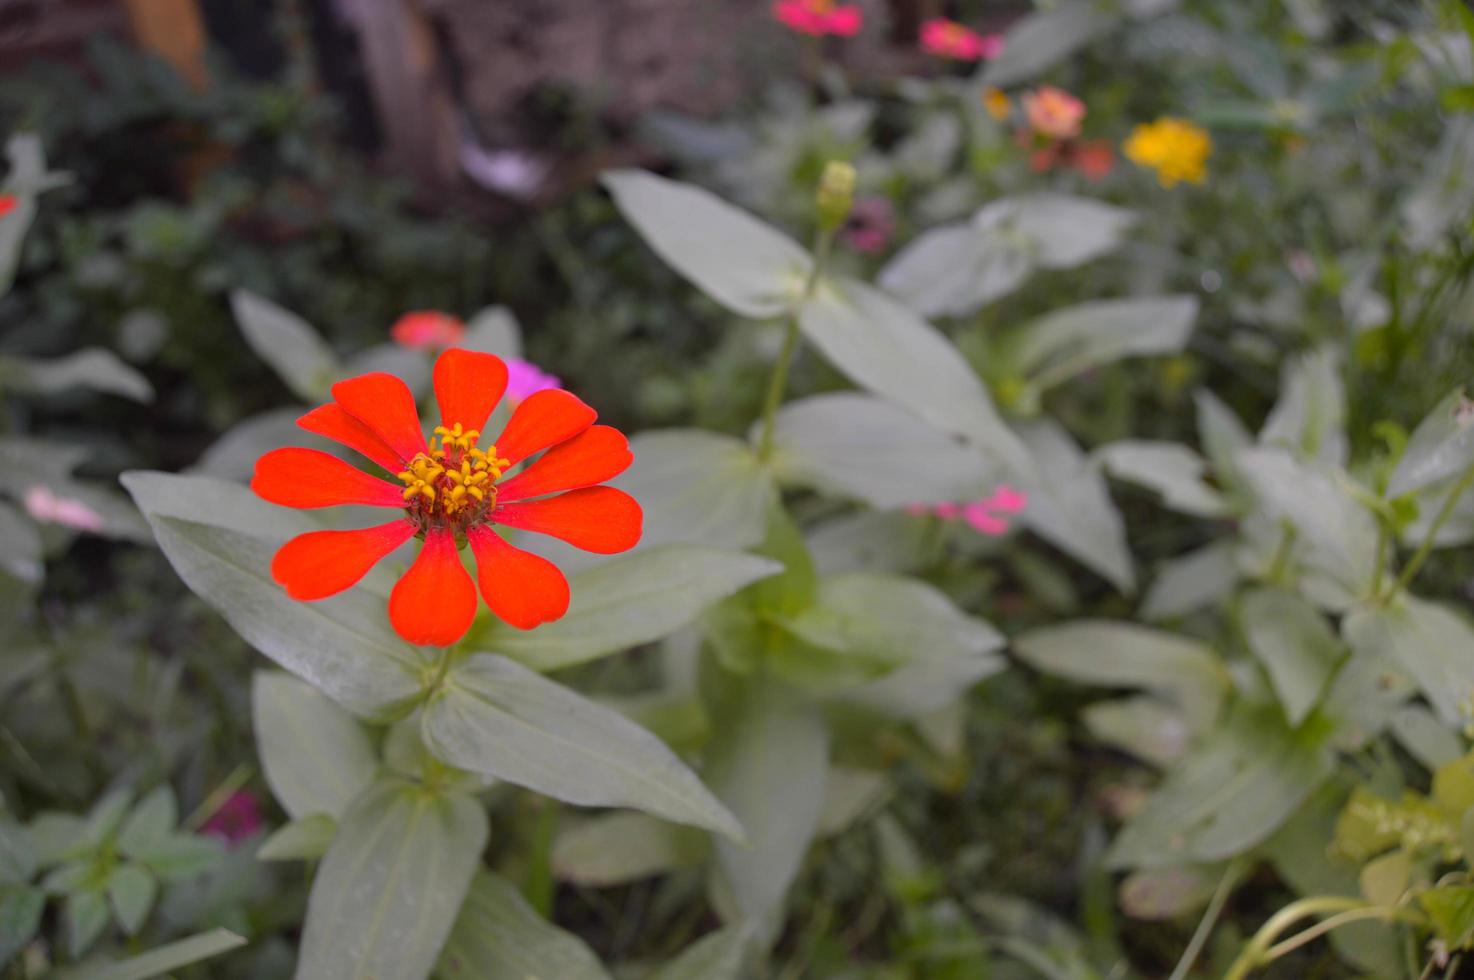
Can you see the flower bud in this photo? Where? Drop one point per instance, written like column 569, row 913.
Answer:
column 836, row 194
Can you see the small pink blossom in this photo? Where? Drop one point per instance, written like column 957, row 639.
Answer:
column 871, row 225
column 949, row 39
column 1053, row 112
column 978, row 516
column 238, row 818
column 427, row 330
column 524, row 378
column 819, row 17
column 46, row 506
column 1007, row 500
column 986, row 515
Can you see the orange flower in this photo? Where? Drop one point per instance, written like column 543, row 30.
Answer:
column 1053, row 112
column 452, row 493
column 995, row 100
column 427, row 330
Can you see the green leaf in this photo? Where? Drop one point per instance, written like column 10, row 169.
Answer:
column 1043, row 39
column 306, row 839
column 90, row 369
column 180, row 856
column 618, row 848
column 1295, row 644
column 1172, row 470
column 498, row 936
column 343, row 645
column 957, row 269
column 497, row 717
column 1451, row 907
column 631, row 600
column 85, row 915
column 159, row 962
column 1310, row 416
column 18, row 854
column 1441, row 447
column 131, row 890
column 107, row 815
column 885, row 347
column 752, row 269
column 1070, row 507
column 316, row 757
column 1433, row 643
column 1066, row 342
column 721, row 955
column 698, row 487
column 233, row 456
column 1190, row 582
column 1426, row 738
column 388, row 889
column 1125, row 655
column 20, row 916
column 1227, row 795
column 287, row 344
column 152, row 821
column 1143, row 725
column 1221, row 433
column 20, row 547
column 767, row 760
column 860, row 447
column 920, row 688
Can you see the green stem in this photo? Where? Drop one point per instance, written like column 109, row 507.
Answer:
column 1337, row 921
column 218, row 796
column 1421, row 555
column 1226, row 885
column 1378, row 569
column 778, row 380
column 1253, row 955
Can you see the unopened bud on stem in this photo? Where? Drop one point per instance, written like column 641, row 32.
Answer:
column 836, row 194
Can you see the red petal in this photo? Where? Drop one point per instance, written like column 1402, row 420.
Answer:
column 522, row 589
column 323, row 563
column 332, row 421
column 468, row 385
column 545, row 418
column 387, row 406
column 598, row 519
column 435, row 601
column 297, row 477
column 597, row 454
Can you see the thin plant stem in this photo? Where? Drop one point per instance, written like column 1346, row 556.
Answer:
column 1251, row 958
column 778, row 380
column 1337, row 921
column 1421, row 555
column 212, row 803
column 1226, row 884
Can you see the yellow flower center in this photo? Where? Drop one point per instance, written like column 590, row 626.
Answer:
column 454, row 482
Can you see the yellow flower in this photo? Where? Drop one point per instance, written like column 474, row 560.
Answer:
column 1175, row 148
column 997, row 104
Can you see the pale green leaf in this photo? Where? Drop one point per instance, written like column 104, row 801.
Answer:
column 316, row 757
column 84, row 916
column 1187, row 583
column 920, row 688
column 722, row 955
column 1426, row 738
column 849, row 795
column 497, row 717
column 287, row 344
column 306, row 839
column 618, row 848
column 233, row 456
column 1221, row 432
column 698, row 487
column 390, row 886
column 161, row 961
column 1068, row 341
column 1044, row 38
column 955, row 270
column 1310, row 416
column 1441, row 447
column 20, row 916
column 131, row 891
column 1070, row 507
column 747, row 266
column 1431, row 642
column 1143, row 725
column 90, row 369
column 498, row 936
column 1294, row 643
column 152, row 821
column 1172, row 470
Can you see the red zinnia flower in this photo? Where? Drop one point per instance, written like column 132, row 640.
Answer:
column 7, row 204
column 452, row 494
column 427, row 330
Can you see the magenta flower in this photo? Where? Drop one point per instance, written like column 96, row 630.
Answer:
column 238, row 818
column 525, row 378
column 871, row 225
column 819, row 17
column 949, row 39
column 986, row 516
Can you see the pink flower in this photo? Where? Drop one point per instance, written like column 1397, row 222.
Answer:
column 46, row 506
column 986, row 516
column 1053, row 112
column 819, row 17
column 427, row 330
column 949, row 39
column 871, row 225
column 524, row 378
column 238, row 818
column 1007, row 500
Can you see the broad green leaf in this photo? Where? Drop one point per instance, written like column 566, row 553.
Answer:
column 698, row 487
column 1044, row 38
column 721, row 955
column 1190, row 582
column 1293, row 641
column 497, row 717
column 1143, row 725
column 1366, row 694
column 890, row 620
column 90, row 369
column 1310, row 416
column 84, row 916
column 860, row 447
column 747, row 266
column 18, row 853
column 869, row 541
column 1062, row 231
column 1442, row 447
column 388, row 890
column 618, row 848
column 917, row 689
column 131, row 891
column 956, row 269
column 306, row 839
column 1172, row 470
column 498, row 936
column 1451, row 907
column 1426, row 738
column 1068, row 341
column 1221, row 433
column 233, row 456
column 288, row 344
column 1167, row 893
column 316, row 757
column 885, row 347
column 1444, row 196
column 1227, row 795
column 1431, row 642
column 161, row 961
column 152, row 821
column 1070, row 507
column 343, row 646
column 1112, row 654
column 767, row 761
column 628, row 601
column 20, row 916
